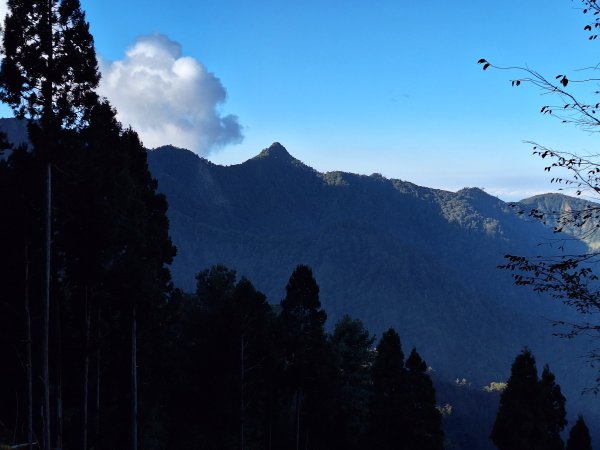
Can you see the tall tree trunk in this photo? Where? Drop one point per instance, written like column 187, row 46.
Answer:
column 306, row 439
column 298, row 419
column 134, row 387
column 58, row 376
column 270, row 430
column 86, row 371
column 271, row 410
column 242, row 381
column 28, row 365
column 46, row 310
column 48, row 124
column 97, row 379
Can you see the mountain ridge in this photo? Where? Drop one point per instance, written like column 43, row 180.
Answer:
column 367, row 238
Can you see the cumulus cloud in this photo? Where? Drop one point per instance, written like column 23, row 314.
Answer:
column 168, row 98
column 3, row 10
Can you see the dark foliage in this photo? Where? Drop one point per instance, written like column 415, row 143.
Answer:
column 532, row 410
column 403, row 412
column 53, row 31
column 110, row 250
column 579, row 436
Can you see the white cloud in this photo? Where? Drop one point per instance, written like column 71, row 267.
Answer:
column 168, row 98
column 3, row 10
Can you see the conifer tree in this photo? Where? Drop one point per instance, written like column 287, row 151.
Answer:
column 352, row 348
column 253, row 322
column 114, row 235
column 48, row 74
column 517, row 425
column 425, row 421
column 403, row 412
column 579, row 436
column 302, row 323
column 388, row 406
column 223, row 363
column 203, row 401
column 531, row 413
column 553, row 407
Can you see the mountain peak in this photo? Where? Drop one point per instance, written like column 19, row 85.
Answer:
column 276, row 151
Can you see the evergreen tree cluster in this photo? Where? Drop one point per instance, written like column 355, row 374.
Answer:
column 85, row 245
column 252, row 376
column 532, row 412
column 110, row 250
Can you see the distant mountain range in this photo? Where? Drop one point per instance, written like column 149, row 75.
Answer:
column 386, row 251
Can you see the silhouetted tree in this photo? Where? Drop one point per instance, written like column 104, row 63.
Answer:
column 252, row 325
column 425, row 421
column 140, row 273
column 517, row 423
column 402, row 409
column 531, row 413
column 579, row 436
column 48, row 74
column 553, row 406
column 388, row 407
column 302, row 323
column 225, row 344
column 352, row 346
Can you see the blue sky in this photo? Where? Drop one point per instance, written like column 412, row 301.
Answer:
column 385, row 86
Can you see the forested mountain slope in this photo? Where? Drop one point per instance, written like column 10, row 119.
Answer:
column 386, row 251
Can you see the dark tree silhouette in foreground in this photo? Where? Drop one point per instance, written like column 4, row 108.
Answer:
column 48, row 74
column 425, row 421
column 579, row 436
column 402, row 410
column 532, row 411
column 302, row 322
column 352, row 345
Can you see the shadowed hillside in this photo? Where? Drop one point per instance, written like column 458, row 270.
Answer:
column 386, row 251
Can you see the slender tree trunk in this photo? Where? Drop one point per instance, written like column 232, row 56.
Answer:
column 86, row 371
column 16, row 427
column 28, row 364
column 306, row 439
column 48, row 124
column 134, row 387
column 97, row 390
column 298, row 419
column 271, row 431
column 271, row 409
column 242, row 380
column 58, row 377
column 46, row 309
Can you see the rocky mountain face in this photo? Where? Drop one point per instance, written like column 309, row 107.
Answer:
column 557, row 211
